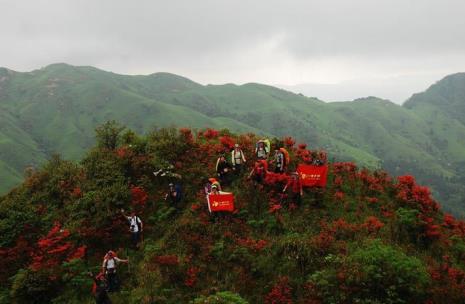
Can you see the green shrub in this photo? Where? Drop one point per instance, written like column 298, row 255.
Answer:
column 222, row 297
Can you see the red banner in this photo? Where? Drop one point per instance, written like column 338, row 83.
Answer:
column 220, row 202
column 313, row 176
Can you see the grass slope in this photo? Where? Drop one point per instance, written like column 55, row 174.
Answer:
column 59, row 106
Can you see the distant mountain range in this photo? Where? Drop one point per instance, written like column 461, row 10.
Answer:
column 56, row 109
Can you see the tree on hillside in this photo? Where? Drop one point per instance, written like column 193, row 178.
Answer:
column 109, row 134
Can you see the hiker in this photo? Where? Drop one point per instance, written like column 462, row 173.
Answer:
column 109, row 269
column 320, row 159
column 215, row 190
column 216, row 215
column 295, row 186
column 279, row 160
column 261, row 150
column 210, row 183
column 223, row 169
column 237, row 159
column 99, row 288
column 258, row 173
column 174, row 195
column 135, row 227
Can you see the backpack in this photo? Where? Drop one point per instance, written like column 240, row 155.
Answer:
column 138, row 222
column 287, row 158
column 178, row 190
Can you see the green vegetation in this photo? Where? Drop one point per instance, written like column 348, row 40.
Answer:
column 55, row 110
column 365, row 238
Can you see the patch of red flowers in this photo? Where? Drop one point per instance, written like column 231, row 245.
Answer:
column 191, row 276
column 166, row 260
column 54, row 248
column 227, row 142
column 210, row 133
column 255, row 245
column 138, row 196
column 280, row 293
column 289, row 142
column 372, row 224
column 339, row 195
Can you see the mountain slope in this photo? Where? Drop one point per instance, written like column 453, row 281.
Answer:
column 364, row 238
column 55, row 109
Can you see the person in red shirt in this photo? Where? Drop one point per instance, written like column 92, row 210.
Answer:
column 295, row 186
column 258, row 173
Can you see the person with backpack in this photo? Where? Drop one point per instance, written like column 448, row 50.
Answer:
column 135, row 227
column 237, row 159
column 223, row 169
column 258, row 173
column 279, row 161
column 99, row 288
column 261, row 150
column 174, row 195
column 295, row 186
column 109, row 269
column 209, row 185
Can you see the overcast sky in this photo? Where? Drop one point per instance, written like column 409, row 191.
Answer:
column 335, row 50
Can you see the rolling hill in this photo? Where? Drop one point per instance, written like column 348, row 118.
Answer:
column 56, row 109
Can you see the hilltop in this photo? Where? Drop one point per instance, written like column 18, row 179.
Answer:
column 364, row 238
column 55, row 109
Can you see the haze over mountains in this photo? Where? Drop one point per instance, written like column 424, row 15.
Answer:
column 56, row 109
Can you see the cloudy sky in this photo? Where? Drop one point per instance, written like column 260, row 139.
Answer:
column 335, row 50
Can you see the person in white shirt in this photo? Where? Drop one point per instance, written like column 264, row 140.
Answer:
column 237, row 159
column 109, row 269
column 135, row 227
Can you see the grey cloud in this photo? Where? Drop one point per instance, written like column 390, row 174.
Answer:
column 287, row 42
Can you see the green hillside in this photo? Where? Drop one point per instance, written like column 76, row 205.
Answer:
column 55, row 110
column 363, row 238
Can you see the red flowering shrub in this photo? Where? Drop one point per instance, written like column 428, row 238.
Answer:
column 339, row 196
column 372, row 224
column 77, row 193
column 166, row 260
column 254, row 245
column 227, row 142
column 78, row 254
column 344, row 167
column 449, row 221
column 289, row 142
column 274, row 208
column 280, row 293
column 54, row 249
column 191, row 276
column 138, row 196
column 186, row 133
column 272, row 178
column 121, row 152
column 416, row 196
column 342, row 229
column 210, row 133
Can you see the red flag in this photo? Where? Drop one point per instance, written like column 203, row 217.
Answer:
column 220, row 202
column 313, row 176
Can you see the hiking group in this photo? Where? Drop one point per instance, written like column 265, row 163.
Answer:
column 219, row 202
column 280, row 161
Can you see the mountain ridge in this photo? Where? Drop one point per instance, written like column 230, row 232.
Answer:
column 57, row 107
